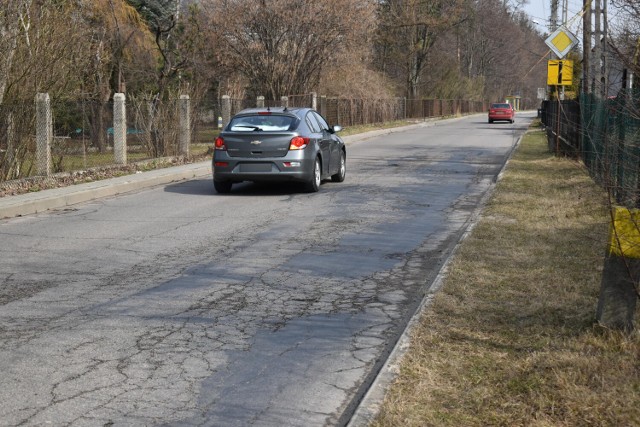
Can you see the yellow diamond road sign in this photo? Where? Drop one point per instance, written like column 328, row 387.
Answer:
column 561, row 41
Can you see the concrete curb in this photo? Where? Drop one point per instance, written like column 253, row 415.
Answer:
column 26, row 204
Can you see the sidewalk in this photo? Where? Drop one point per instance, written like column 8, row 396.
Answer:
column 26, row 204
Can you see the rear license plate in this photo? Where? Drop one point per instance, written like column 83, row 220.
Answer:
column 255, row 167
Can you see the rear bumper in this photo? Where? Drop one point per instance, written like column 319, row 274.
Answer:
column 292, row 167
column 497, row 117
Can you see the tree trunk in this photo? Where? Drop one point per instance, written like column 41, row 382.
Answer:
column 9, row 30
column 98, row 129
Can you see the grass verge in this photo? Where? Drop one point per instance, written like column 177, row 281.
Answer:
column 510, row 339
column 353, row 130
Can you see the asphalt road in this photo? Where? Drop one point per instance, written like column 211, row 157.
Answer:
column 173, row 305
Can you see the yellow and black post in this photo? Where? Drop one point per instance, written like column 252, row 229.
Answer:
column 618, row 292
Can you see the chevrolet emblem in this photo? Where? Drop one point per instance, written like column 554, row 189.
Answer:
column 256, row 142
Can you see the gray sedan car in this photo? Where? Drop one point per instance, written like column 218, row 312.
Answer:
column 278, row 144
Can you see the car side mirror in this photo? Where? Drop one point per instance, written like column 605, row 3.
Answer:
column 336, row 129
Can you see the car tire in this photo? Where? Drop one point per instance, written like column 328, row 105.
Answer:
column 490, row 121
column 313, row 185
column 222, row 187
column 342, row 172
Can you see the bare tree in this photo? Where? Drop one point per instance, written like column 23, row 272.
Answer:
column 408, row 32
column 625, row 36
column 115, row 34
column 500, row 52
column 12, row 21
column 74, row 50
column 282, row 46
column 187, row 59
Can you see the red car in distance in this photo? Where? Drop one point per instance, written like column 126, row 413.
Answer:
column 501, row 111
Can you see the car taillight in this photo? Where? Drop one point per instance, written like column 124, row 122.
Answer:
column 219, row 144
column 298, row 143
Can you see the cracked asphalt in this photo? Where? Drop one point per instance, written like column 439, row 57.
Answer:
column 176, row 306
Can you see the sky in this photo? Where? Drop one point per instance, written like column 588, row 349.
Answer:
column 540, row 11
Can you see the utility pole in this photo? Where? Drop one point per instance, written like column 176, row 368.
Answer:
column 586, row 45
column 597, row 50
column 565, row 6
column 604, row 80
column 553, row 19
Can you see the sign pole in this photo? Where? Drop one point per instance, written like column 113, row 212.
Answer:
column 558, row 122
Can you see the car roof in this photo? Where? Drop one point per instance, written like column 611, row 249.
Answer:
column 297, row 111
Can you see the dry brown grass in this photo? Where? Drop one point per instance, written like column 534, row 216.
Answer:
column 510, row 339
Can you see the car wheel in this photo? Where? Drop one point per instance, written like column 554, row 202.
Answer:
column 222, row 187
column 314, row 184
column 512, row 121
column 490, row 121
column 342, row 172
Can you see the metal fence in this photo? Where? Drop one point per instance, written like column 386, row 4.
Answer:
column 562, row 122
column 354, row 112
column 82, row 132
column 605, row 135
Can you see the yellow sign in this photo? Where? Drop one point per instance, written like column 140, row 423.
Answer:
column 561, row 41
column 560, row 72
column 624, row 235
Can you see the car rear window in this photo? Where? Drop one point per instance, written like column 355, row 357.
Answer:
column 262, row 122
column 500, row 106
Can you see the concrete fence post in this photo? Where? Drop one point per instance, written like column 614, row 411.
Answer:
column 284, row 101
column 120, row 128
column 314, row 101
column 44, row 134
column 226, row 110
column 260, row 102
column 323, row 106
column 185, row 125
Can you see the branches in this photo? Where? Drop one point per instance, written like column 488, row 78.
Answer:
column 12, row 19
column 282, row 47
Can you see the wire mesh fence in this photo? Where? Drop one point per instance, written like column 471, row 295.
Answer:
column 82, row 134
column 611, row 141
column 563, row 124
column 153, row 128
column 17, row 140
column 605, row 135
column 354, row 112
